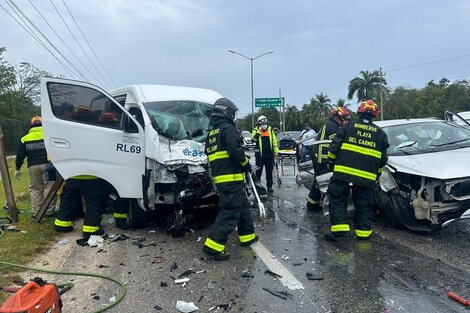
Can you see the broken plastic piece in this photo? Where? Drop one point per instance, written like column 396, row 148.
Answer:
column 186, row 307
column 314, row 276
column 182, row 280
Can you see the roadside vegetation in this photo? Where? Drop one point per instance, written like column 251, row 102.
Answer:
column 34, row 238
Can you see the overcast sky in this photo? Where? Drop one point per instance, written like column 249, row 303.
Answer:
column 319, row 46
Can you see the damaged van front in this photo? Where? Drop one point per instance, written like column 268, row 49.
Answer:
column 146, row 141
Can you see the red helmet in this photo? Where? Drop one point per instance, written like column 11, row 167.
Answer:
column 35, row 121
column 340, row 112
column 370, row 107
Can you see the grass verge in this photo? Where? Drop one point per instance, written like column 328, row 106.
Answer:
column 19, row 247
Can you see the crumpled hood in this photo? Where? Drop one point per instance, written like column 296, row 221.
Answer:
column 441, row 165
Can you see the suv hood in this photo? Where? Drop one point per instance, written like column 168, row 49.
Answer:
column 441, row 165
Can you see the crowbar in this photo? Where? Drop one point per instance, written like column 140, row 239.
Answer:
column 262, row 210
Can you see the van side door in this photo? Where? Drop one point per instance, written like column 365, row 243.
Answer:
column 86, row 132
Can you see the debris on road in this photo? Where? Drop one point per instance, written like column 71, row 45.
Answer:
column 95, row 241
column 272, row 273
column 247, row 274
column 182, row 280
column 281, row 294
column 314, row 276
column 186, row 307
column 220, row 306
column 458, row 298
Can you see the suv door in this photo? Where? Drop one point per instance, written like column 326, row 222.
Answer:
column 86, row 132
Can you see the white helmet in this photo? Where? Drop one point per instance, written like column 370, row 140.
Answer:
column 262, row 119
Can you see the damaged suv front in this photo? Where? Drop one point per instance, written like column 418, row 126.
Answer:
column 426, row 183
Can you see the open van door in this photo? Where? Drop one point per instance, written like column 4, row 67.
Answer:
column 86, row 132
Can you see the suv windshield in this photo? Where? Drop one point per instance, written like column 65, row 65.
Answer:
column 180, row 119
column 426, row 137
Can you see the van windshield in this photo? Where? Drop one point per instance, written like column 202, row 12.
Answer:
column 180, row 119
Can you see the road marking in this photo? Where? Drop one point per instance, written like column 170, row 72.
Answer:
column 287, row 279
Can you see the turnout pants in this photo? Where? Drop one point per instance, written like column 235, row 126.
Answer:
column 39, row 188
column 234, row 212
column 268, row 163
column 363, row 197
column 94, row 193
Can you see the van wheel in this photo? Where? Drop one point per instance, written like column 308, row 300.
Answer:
column 137, row 216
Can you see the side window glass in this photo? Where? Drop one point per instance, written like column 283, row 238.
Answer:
column 84, row 105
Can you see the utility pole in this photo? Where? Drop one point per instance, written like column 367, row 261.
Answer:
column 280, row 112
column 382, row 74
column 7, row 182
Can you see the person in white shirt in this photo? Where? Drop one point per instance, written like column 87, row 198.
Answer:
column 306, row 133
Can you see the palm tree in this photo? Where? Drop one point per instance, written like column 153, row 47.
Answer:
column 367, row 86
column 321, row 105
column 292, row 116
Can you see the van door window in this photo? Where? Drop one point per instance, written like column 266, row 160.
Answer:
column 84, row 105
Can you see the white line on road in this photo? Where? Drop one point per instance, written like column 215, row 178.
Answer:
column 287, row 279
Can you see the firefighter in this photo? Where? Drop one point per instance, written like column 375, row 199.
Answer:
column 228, row 162
column 339, row 116
column 32, row 147
column 266, row 150
column 93, row 190
column 357, row 155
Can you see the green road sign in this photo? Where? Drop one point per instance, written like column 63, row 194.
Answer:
column 268, row 102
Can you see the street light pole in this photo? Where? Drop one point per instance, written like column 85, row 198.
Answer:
column 252, row 89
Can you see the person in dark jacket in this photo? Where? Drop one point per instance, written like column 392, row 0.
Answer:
column 228, row 162
column 266, row 150
column 357, row 156
column 339, row 116
column 32, row 148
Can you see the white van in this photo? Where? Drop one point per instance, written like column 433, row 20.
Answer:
column 147, row 141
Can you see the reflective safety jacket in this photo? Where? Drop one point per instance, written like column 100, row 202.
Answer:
column 267, row 135
column 327, row 132
column 32, row 147
column 359, row 152
column 225, row 151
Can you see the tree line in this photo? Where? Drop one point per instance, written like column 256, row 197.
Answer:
column 19, row 99
column 401, row 102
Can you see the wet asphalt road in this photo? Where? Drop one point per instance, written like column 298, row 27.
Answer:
column 397, row 271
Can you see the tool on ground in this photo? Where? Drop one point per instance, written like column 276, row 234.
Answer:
column 37, row 296
column 458, row 298
column 262, row 210
column 104, row 308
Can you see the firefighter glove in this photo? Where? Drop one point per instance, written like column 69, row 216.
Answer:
column 17, row 174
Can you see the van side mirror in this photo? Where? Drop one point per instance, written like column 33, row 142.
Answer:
column 128, row 125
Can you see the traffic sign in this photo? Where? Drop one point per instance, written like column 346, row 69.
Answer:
column 268, row 102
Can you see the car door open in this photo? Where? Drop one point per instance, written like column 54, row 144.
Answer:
column 86, row 132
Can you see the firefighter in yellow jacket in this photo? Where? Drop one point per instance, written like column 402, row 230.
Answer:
column 266, row 150
column 228, row 162
column 357, row 155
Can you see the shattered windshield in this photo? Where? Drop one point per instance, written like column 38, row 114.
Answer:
column 180, row 119
column 426, row 137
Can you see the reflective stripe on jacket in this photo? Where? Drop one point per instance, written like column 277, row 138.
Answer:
column 258, row 135
column 32, row 147
column 359, row 152
column 225, row 151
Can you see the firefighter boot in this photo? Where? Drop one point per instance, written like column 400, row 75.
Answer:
column 215, row 255
column 122, row 223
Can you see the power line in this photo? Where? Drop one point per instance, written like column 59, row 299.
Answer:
column 32, row 34
column 86, row 40
column 73, row 35
column 60, row 38
column 18, row 11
